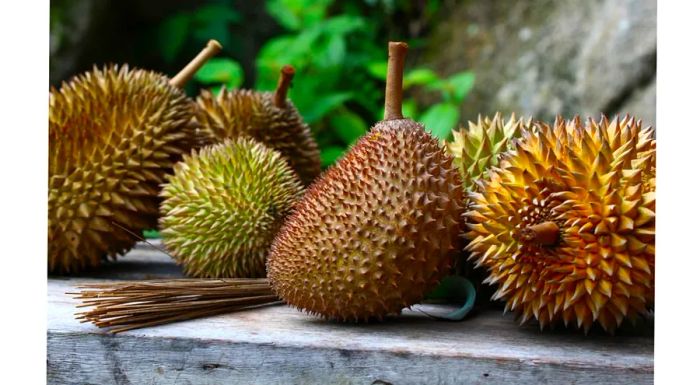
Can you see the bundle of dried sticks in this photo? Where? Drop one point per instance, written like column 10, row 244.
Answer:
column 122, row 306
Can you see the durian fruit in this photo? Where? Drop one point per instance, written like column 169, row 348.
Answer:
column 265, row 116
column 114, row 132
column 565, row 223
column 378, row 230
column 476, row 148
column 223, row 206
column 479, row 145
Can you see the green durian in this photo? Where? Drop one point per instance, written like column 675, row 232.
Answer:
column 480, row 145
column 223, row 206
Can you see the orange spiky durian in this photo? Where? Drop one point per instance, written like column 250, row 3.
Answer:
column 378, row 230
column 267, row 117
column 223, row 206
column 565, row 223
column 479, row 145
column 113, row 135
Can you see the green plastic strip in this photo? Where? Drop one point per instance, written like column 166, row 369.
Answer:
column 452, row 287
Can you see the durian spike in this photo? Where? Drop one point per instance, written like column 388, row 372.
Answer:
column 212, row 48
column 123, row 306
column 283, row 84
column 393, row 97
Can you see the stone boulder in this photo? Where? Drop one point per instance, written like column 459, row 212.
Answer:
column 541, row 58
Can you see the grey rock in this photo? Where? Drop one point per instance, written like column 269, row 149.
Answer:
column 542, row 58
column 642, row 104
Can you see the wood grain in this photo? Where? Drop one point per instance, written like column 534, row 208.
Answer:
column 280, row 345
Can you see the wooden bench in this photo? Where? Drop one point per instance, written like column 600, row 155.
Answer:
column 280, row 345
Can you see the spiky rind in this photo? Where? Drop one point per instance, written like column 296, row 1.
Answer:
column 113, row 135
column 479, row 146
column 376, row 232
column 223, row 206
column 244, row 112
column 593, row 181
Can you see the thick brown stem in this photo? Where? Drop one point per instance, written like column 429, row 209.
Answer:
column 545, row 233
column 285, row 80
column 394, row 81
column 213, row 47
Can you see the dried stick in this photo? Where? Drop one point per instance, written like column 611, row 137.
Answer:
column 122, row 306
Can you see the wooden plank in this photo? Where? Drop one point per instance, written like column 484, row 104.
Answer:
column 279, row 345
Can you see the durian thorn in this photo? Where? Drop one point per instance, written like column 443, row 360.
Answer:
column 545, row 233
column 393, row 96
column 285, row 80
column 212, row 48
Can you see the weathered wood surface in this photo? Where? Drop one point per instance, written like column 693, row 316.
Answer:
column 279, row 345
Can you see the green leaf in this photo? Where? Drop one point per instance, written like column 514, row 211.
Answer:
column 217, row 31
column 410, row 109
column 221, row 70
column 347, row 125
column 419, row 77
column 333, row 53
column 213, row 22
column 151, row 234
column 461, row 84
column 324, row 105
column 377, row 69
column 271, row 57
column 330, row 154
column 342, row 25
column 216, row 13
column 297, row 50
column 172, row 34
column 440, row 119
column 285, row 16
column 297, row 14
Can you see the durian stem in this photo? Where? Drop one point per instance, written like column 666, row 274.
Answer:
column 393, row 97
column 213, row 47
column 545, row 233
column 285, row 80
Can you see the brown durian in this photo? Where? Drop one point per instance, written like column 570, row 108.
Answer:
column 377, row 231
column 267, row 117
column 223, row 206
column 565, row 224
column 114, row 133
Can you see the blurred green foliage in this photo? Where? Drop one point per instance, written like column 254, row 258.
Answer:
column 339, row 52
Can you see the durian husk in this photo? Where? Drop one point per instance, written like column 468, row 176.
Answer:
column 565, row 224
column 222, row 207
column 255, row 114
column 114, row 133
column 479, row 145
column 374, row 233
column 475, row 148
